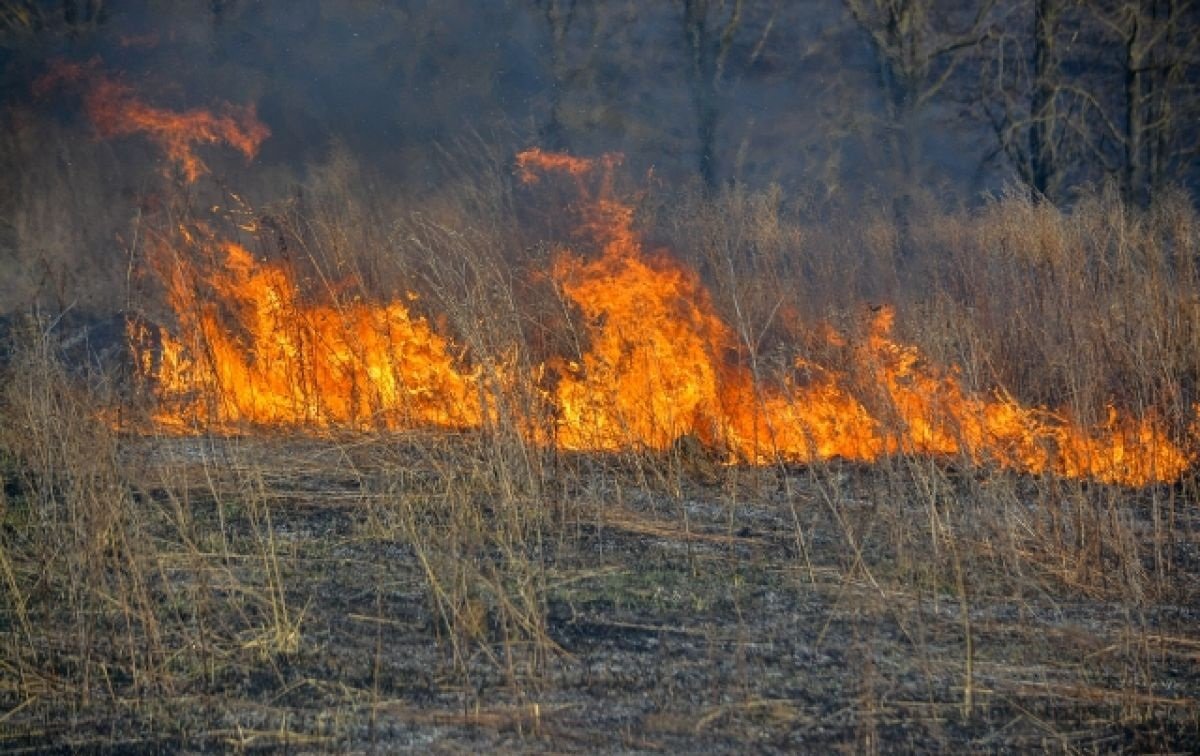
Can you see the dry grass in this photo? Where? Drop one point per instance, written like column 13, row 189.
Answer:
column 195, row 589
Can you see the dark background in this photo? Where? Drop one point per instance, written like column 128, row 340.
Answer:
column 840, row 102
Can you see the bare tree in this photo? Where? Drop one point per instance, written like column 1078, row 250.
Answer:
column 1040, row 161
column 710, row 29
column 69, row 16
column 570, row 63
column 1096, row 91
column 77, row 12
column 559, row 14
column 1038, row 112
column 918, row 47
column 1158, row 50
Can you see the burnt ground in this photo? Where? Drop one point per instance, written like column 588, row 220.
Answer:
column 842, row 607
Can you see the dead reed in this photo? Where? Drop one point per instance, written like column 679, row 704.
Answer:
column 187, row 590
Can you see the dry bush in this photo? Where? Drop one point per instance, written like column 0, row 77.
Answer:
column 121, row 595
column 78, row 573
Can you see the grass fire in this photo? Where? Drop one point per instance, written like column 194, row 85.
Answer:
column 658, row 363
column 546, row 376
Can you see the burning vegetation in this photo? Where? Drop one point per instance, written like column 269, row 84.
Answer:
column 509, row 460
column 250, row 350
column 115, row 111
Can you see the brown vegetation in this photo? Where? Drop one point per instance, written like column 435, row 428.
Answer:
column 484, row 588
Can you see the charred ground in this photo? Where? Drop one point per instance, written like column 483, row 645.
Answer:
column 332, row 595
column 239, row 513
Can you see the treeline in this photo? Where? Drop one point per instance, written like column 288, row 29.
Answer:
column 838, row 94
column 1073, row 92
column 893, row 106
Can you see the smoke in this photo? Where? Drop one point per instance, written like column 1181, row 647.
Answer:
column 379, row 111
column 794, row 95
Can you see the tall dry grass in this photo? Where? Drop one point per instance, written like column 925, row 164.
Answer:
column 61, row 210
column 128, row 588
column 142, row 584
column 1072, row 309
column 1066, row 308
column 78, row 569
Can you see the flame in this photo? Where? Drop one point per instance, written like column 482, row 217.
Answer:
column 653, row 370
column 114, row 111
column 936, row 415
column 253, row 353
column 656, row 363
column 532, row 163
column 661, row 364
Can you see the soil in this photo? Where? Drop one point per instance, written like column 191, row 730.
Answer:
column 754, row 609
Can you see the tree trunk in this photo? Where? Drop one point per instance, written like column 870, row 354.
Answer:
column 1041, row 108
column 1133, row 180
column 703, row 86
column 559, row 16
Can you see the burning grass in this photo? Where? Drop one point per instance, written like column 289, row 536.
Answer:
column 581, row 494
column 250, row 352
column 655, row 362
column 116, row 111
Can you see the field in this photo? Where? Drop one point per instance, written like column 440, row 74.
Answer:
column 181, row 573
column 403, row 593
column 196, row 582
column 555, row 376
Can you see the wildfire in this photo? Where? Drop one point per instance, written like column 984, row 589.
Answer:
column 657, row 363
column 114, row 111
column 250, row 352
column 661, row 364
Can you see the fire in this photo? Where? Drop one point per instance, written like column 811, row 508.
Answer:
column 652, row 372
column 114, row 111
column 936, row 415
column 251, row 352
column 656, row 363
column 662, row 364
column 532, row 163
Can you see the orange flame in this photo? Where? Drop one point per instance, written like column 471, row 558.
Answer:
column 658, row 363
column 114, row 111
column 251, row 352
column 533, row 162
